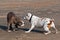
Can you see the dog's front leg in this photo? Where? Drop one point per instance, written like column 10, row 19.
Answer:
column 30, row 29
column 9, row 27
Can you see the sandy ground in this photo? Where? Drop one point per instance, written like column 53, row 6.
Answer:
column 40, row 8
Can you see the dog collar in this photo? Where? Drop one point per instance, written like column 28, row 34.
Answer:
column 30, row 18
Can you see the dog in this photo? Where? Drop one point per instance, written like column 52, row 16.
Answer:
column 12, row 19
column 46, row 23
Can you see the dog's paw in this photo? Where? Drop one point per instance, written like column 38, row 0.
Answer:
column 57, row 32
column 9, row 30
column 27, row 31
column 47, row 33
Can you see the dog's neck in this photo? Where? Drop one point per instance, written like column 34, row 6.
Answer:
column 30, row 18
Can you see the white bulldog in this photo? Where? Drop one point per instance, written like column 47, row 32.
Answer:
column 47, row 23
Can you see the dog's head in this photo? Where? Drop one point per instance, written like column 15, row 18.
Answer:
column 19, row 22
column 28, row 16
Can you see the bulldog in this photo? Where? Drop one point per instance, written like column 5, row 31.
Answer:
column 12, row 19
column 46, row 23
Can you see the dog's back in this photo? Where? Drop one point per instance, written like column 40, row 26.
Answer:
column 10, row 15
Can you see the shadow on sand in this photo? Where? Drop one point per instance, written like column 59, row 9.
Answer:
column 34, row 30
column 3, row 27
column 24, row 29
column 38, row 30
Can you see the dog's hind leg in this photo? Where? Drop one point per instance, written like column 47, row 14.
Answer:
column 8, row 27
column 30, row 29
column 47, row 30
column 16, row 27
column 55, row 28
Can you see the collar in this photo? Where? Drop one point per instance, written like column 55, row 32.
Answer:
column 30, row 18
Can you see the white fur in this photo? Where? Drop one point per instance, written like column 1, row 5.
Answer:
column 22, row 23
column 37, row 21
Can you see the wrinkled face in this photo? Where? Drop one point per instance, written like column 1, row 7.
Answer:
column 28, row 16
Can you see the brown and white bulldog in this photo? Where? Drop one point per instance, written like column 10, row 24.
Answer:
column 46, row 23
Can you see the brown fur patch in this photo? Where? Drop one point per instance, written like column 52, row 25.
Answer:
column 49, row 24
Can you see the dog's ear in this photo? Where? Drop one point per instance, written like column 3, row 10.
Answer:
column 29, row 14
column 52, row 20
